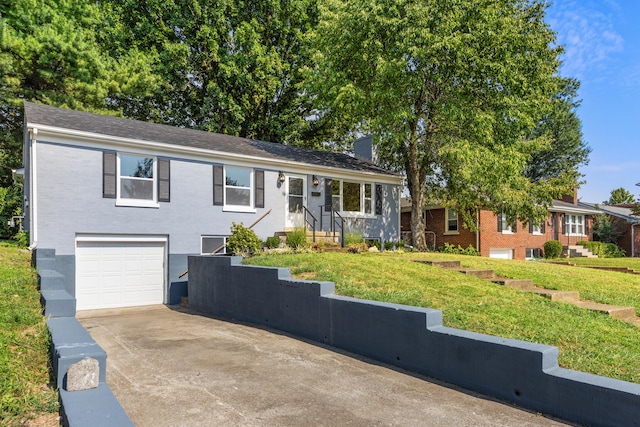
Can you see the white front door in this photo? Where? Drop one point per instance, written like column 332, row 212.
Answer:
column 296, row 199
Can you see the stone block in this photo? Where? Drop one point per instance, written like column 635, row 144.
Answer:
column 83, row 375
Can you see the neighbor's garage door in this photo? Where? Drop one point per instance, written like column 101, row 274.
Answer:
column 119, row 274
column 501, row 253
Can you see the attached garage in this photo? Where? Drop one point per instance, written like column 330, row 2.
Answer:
column 501, row 253
column 124, row 272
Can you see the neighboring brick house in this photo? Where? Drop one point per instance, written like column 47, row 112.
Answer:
column 626, row 223
column 567, row 222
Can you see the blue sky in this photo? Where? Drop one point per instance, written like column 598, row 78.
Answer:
column 602, row 50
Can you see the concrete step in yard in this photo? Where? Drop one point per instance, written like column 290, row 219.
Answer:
column 627, row 314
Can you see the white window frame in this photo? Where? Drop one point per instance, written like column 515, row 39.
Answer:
column 123, row 201
column 238, row 208
column 536, row 230
column 207, row 236
column 506, row 227
column 446, row 222
column 363, row 198
column 571, row 221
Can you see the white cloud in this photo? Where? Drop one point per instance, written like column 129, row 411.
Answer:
column 587, row 33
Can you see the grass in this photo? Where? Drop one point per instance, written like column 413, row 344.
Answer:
column 25, row 384
column 587, row 341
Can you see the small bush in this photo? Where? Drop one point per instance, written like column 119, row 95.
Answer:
column 243, row 241
column 603, row 250
column 448, row 248
column 612, row 250
column 552, row 249
column 272, row 242
column 388, row 246
column 297, row 238
column 374, row 243
column 356, row 248
column 352, row 237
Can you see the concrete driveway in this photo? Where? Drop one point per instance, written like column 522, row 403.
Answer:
column 172, row 367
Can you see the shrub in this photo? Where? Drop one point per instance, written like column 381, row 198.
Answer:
column 388, row 246
column 351, row 237
column 552, row 249
column 612, row 250
column 356, row 248
column 374, row 243
column 297, row 238
column 272, row 242
column 243, row 241
column 448, row 248
column 603, row 250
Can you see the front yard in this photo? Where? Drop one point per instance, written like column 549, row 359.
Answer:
column 27, row 396
column 587, row 341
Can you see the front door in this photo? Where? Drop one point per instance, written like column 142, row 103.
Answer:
column 296, row 199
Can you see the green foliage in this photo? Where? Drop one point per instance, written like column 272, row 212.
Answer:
column 243, row 241
column 603, row 249
column 620, row 196
column 388, row 245
column 50, row 53
column 448, row 248
column 552, row 249
column 353, row 237
column 461, row 133
column 604, row 229
column 25, row 392
column 612, row 250
column 10, row 205
column 297, row 238
column 272, row 242
column 374, row 244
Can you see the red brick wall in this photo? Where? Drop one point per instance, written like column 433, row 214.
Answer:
column 624, row 241
column 491, row 238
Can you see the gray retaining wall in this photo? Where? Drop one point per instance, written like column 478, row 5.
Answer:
column 526, row 374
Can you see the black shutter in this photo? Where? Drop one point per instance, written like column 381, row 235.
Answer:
column 109, row 181
column 530, row 225
column 328, row 201
column 164, row 180
column 378, row 199
column 586, row 225
column 259, row 190
column 543, row 226
column 564, row 224
column 499, row 223
column 514, row 226
column 218, row 185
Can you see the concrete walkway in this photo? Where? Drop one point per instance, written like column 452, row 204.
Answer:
column 170, row 367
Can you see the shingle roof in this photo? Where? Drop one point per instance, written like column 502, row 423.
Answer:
column 38, row 114
column 619, row 211
column 560, row 206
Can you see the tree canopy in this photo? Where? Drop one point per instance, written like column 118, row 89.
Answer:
column 452, row 91
column 620, row 196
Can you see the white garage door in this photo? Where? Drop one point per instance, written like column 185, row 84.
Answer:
column 119, row 274
column 501, row 253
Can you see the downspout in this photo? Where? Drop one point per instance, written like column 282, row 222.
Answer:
column 478, row 230
column 32, row 190
column 633, row 239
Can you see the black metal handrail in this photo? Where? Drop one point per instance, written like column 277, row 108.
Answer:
column 307, row 214
column 334, row 221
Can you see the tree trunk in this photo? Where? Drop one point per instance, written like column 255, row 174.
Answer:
column 417, row 223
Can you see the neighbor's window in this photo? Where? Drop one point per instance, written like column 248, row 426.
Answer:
column 237, row 186
column 213, row 245
column 136, row 179
column 452, row 221
column 574, row 225
column 505, row 226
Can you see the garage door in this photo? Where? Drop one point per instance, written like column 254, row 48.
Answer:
column 119, row 274
column 501, row 253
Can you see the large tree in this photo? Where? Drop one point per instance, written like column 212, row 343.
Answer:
column 229, row 66
column 49, row 54
column 452, row 91
column 620, row 196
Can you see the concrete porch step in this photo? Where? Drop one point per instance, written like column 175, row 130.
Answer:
column 572, row 297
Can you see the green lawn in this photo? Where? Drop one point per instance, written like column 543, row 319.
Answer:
column 587, row 341
column 25, row 389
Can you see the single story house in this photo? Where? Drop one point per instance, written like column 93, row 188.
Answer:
column 568, row 222
column 114, row 206
column 625, row 222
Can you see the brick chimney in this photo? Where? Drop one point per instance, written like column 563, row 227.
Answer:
column 571, row 198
